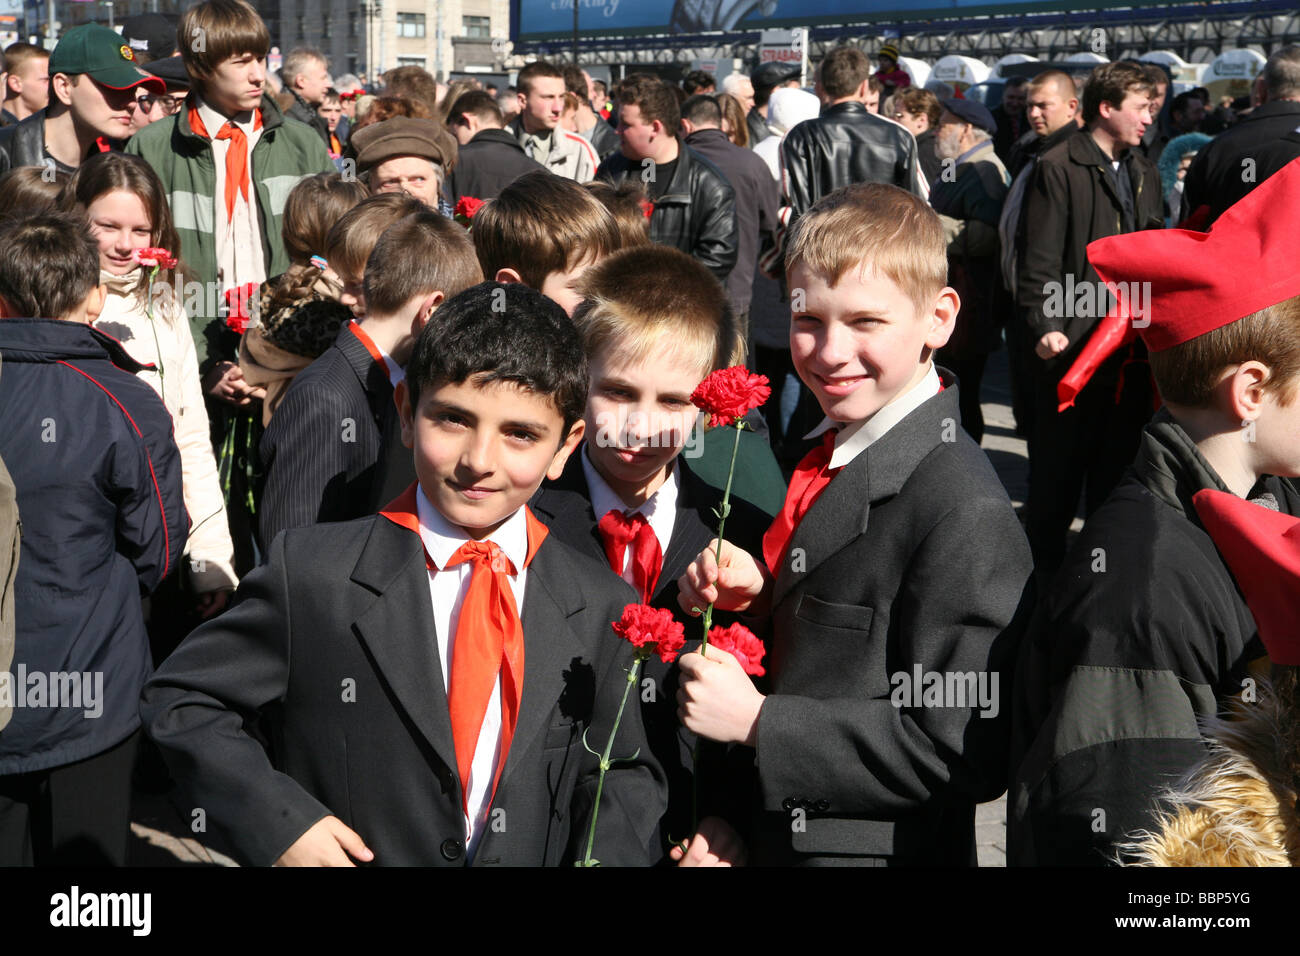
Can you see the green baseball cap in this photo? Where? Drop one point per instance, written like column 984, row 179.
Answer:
column 103, row 55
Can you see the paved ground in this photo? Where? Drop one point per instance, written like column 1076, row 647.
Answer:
column 162, row 837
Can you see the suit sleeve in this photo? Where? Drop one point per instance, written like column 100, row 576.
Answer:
column 197, row 704
column 1046, row 219
column 152, row 523
column 303, row 454
column 715, row 237
column 886, row 757
column 635, row 794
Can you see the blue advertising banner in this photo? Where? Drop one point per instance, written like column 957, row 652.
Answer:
column 553, row 19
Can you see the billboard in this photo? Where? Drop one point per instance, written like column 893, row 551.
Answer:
column 553, row 19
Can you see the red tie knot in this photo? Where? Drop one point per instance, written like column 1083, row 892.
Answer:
column 621, row 527
column 485, row 553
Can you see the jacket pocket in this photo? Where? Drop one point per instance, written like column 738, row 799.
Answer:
column 836, row 650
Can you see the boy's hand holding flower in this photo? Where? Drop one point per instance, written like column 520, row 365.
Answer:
column 717, row 699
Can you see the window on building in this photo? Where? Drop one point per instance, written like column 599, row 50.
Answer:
column 354, row 19
column 325, row 28
column 302, row 28
column 477, row 26
column 410, row 24
column 411, row 61
column 352, row 63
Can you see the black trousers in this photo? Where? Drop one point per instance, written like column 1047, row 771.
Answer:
column 1085, row 449
column 78, row 814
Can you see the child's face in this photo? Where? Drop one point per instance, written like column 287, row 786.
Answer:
column 562, row 287
column 481, row 451
column 236, row 85
column 120, row 225
column 861, row 343
column 639, row 415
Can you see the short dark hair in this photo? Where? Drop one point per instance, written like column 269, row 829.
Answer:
column 536, row 71
column 1110, row 83
column 49, row 263
column 653, row 97
column 419, row 255
column 843, row 71
column 697, row 81
column 498, row 332
column 702, row 110
column 481, row 104
column 1179, row 104
column 575, row 81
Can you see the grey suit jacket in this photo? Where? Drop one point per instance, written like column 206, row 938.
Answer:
column 331, row 648
column 911, row 563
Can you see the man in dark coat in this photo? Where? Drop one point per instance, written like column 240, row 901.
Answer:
column 756, row 217
column 1087, row 187
column 490, row 158
column 1240, row 158
column 694, row 205
column 846, row 144
column 969, row 205
column 1009, row 115
column 306, row 76
column 1144, row 632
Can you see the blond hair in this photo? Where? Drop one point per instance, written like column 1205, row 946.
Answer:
column 653, row 298
column 876, row 228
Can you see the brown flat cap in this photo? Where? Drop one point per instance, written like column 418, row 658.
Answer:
column 404, row 136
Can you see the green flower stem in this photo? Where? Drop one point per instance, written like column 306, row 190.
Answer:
column 605, row 762
column 722, row 523
column 148, row 311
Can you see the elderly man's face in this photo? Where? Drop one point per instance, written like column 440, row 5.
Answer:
column 413, row 175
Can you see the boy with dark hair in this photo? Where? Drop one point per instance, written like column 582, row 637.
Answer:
column 332, row 450
column 537, row 125
column 98, row 481
column 490, row 158
column 459, row 735
column 694, row 205
column 892, row 578
column 654, row 323
column 544, row 231
column 1144, row 632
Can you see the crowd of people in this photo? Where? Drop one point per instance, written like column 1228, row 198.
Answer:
column 339, row 423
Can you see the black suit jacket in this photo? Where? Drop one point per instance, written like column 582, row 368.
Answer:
column 565, row 507
column 487, row 164
column 332, row 644
column 911, row 558
column 333, row 448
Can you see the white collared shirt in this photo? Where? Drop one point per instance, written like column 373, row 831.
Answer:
column 856, row 437
column 238, row 241
column 660, row 509
column 447, row 591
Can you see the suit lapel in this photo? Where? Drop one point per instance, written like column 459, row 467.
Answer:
column 564, row 506
column 549, row 646
column 879, row 472
column 399, row 631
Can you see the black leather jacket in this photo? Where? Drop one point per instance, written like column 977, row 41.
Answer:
column 697, row 213
column 846, row 145
column 24, row 144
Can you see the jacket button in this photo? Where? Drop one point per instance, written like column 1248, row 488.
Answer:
column 789, row 803
column 452, row 849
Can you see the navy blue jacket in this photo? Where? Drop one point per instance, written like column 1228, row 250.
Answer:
column 98, row 476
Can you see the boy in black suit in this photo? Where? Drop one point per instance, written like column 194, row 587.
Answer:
column 654, row 322
column 892, row 577
column 414, row 720
column 333, row 449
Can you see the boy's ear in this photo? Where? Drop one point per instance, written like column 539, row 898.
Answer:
column 1243, row 390
column 863, row 89
column 95, row 303
column 402, row 399
column 943, row 320
column 425, row 311
column 567, row 447
column 508, row 276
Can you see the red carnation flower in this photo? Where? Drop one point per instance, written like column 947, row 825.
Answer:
column 467, row 206
column 647, row 208
column 238, row 306
column 740, row 642
column 651, row 630
column 730, row 393
column 154, row 257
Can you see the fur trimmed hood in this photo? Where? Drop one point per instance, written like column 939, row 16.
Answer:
column 1237, row 807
